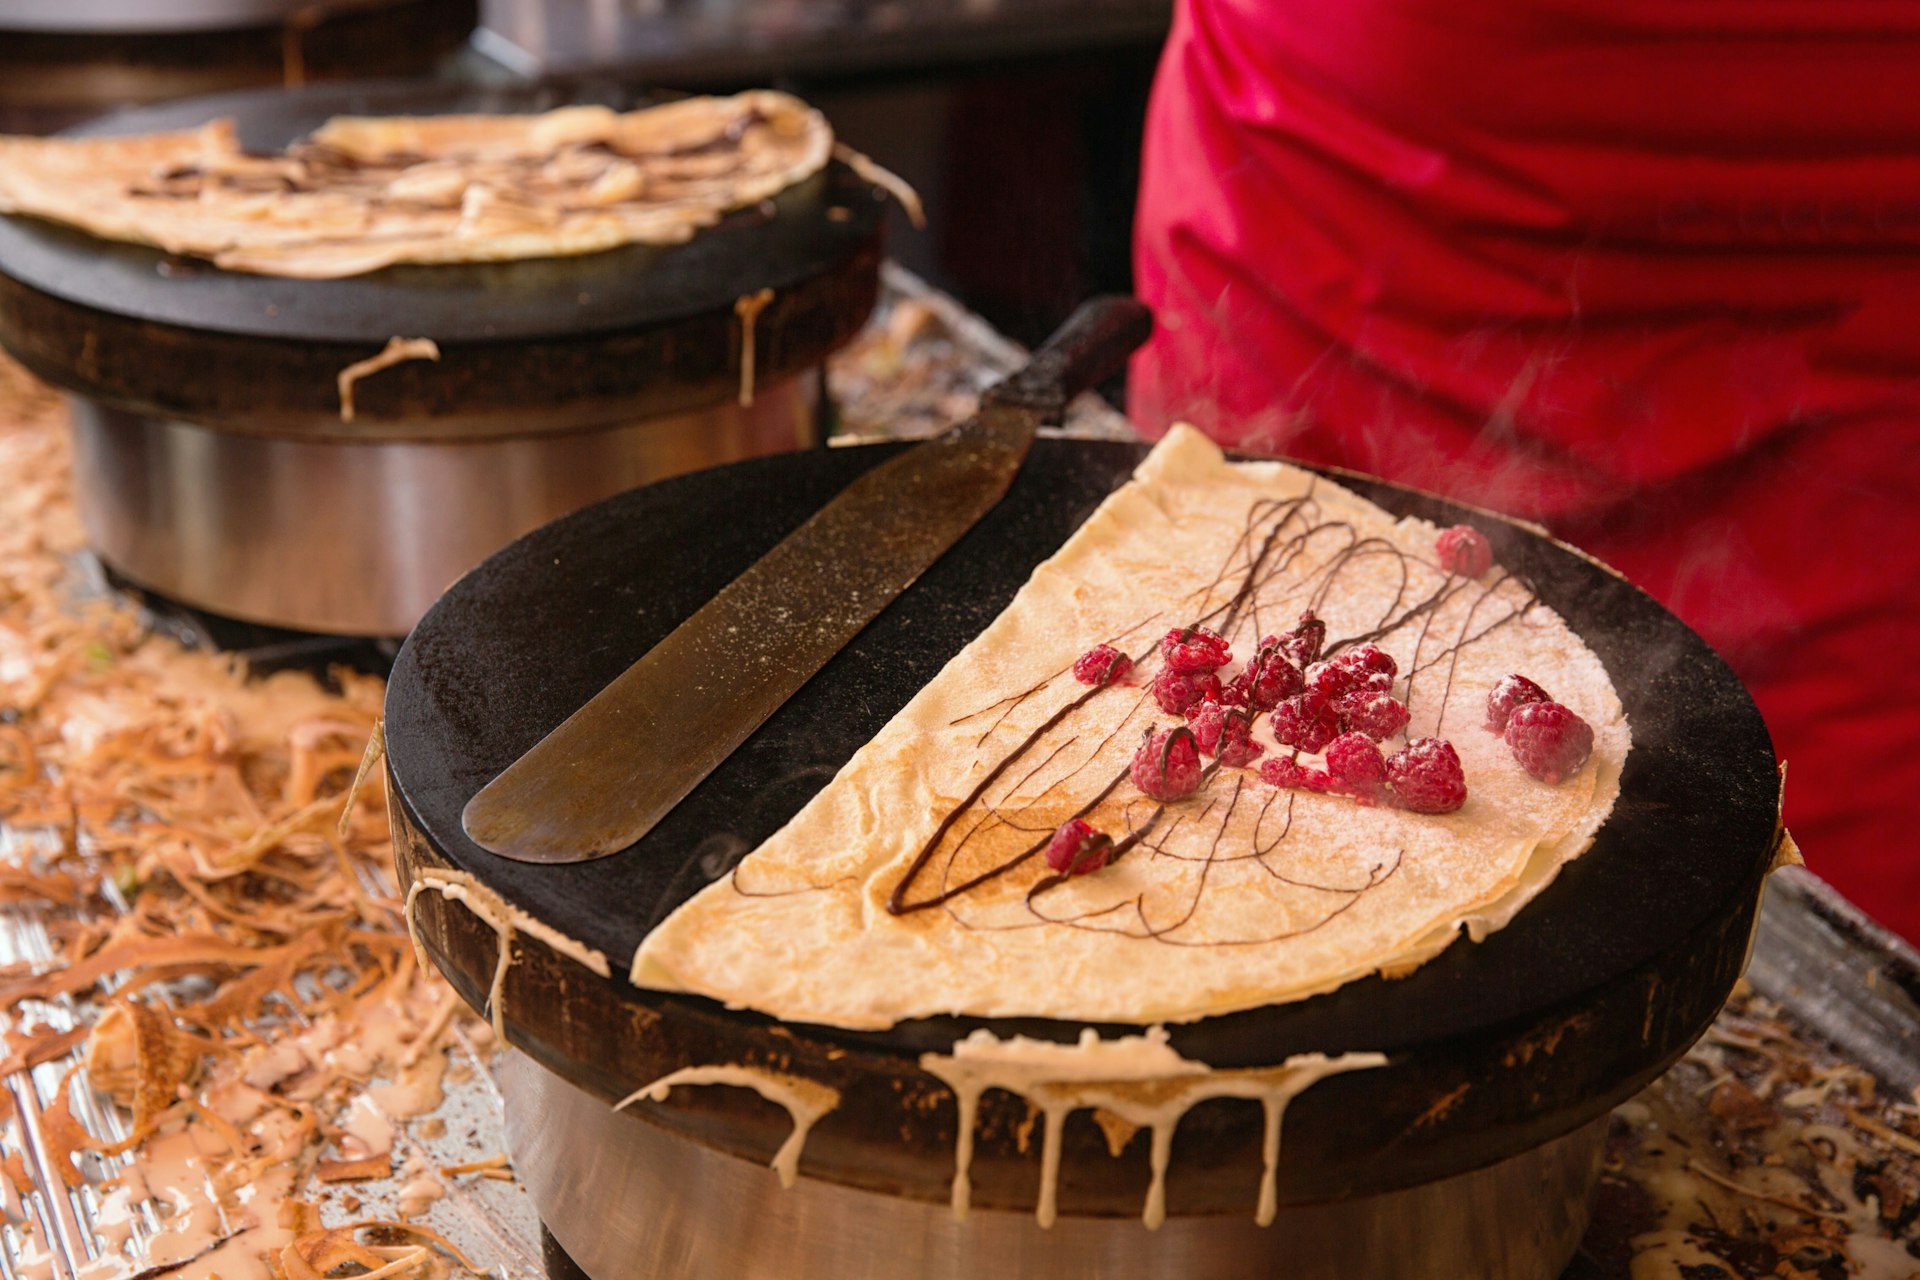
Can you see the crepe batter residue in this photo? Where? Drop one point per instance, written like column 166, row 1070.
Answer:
column 1140, row 1079
column 503, row 918
column 748, row 308
column 397, row 351
column 805, row 1100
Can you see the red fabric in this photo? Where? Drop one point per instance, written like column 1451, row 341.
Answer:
column 1647, row 271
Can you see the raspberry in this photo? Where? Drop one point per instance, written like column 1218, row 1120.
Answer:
column 1328, row 680
column 1426, row 777
column 1078, row 847
column 1176, row 692
column 1206, row 718
column 1102, row 664
column 1282, row 771
column 1291, row 775
column 1548, row 740
column 1304, row 642
column 1167, row 765
column 1365, row 669
column 1192, row 649
column 1307, row 721
column 1237, row 747
column 1371, row 658
column 1267, row 679
column 1356, row 766
column 1224, row 731
column 1508, row 694
column 1378, row 715
column 1464, row 550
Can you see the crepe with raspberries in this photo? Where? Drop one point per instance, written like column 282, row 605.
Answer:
column 363, row 193
column 918, row 881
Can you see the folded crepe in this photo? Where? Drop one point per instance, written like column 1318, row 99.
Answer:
column 915, row 882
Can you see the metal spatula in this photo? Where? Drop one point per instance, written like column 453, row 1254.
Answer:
column 598, row 782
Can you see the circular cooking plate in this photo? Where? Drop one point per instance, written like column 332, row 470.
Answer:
column 526, row 346
column 1596, row 986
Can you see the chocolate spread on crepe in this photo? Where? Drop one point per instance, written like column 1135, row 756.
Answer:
column 361, row 194
column 914, row 883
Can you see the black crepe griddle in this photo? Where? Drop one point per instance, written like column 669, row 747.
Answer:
column 1597, row 985
column 650, row 328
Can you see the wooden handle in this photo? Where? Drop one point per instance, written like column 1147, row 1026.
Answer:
column 1092, row 345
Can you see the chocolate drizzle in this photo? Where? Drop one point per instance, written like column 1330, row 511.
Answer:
column 1285, row 559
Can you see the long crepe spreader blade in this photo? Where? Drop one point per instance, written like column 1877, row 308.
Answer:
column 600, row 780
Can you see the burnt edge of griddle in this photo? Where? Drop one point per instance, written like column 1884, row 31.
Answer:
column 921, row 1034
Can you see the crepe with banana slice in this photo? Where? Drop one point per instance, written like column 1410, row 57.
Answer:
column 364, row 193
column 916, row 882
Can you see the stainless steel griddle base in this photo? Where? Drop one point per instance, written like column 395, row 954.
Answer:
column 359, row 538
column 628, row 1201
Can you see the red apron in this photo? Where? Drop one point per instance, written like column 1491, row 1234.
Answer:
column 1646, row 271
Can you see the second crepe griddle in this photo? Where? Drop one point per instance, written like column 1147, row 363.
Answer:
column 1495, row 1047
column 527, row 347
